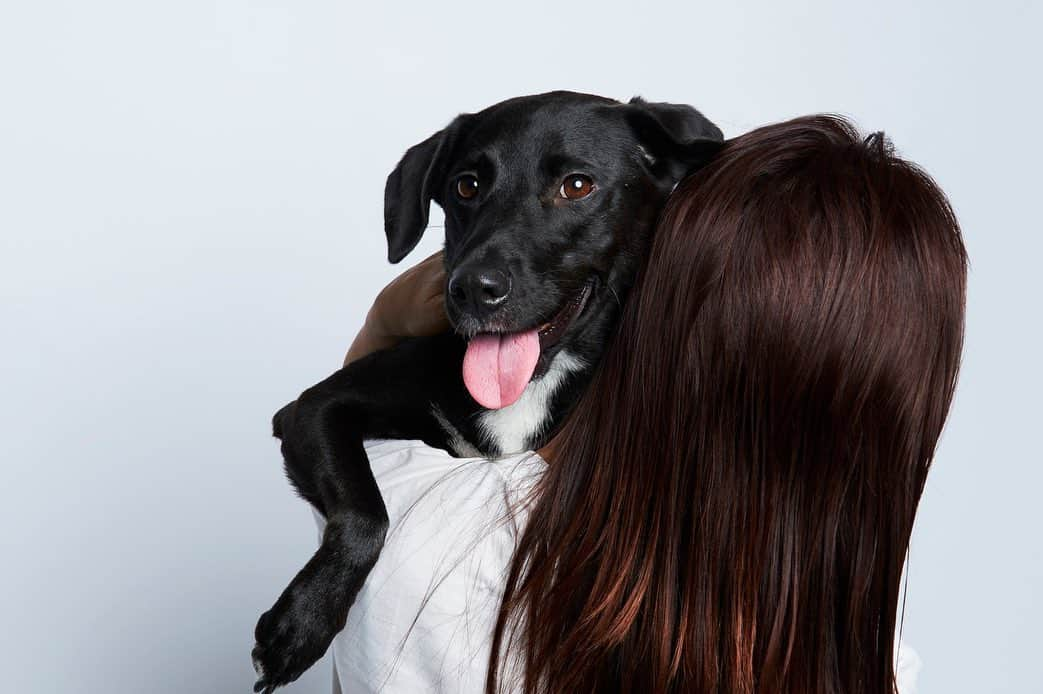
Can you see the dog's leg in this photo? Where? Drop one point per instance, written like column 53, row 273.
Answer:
column 386, row 395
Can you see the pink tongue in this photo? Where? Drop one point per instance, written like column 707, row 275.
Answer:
column 498, row 367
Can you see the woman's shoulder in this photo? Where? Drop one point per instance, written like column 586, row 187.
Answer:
column 423, row 619
column 426, row 610
column 411, row 472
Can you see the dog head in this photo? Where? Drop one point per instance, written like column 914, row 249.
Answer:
column 549, row 201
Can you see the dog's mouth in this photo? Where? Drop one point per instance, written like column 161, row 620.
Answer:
column 551, row 331
column 499, row 365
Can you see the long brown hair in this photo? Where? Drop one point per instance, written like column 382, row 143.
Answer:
column 729, row 507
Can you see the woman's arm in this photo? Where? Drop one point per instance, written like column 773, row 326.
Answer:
column 413, row 305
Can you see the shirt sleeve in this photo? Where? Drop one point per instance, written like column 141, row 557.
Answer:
column 907, row 669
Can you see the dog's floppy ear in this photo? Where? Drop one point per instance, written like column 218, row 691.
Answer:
column 675, row 136
column 411, row 187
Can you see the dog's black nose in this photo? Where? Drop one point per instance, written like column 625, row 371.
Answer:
column 478, row 289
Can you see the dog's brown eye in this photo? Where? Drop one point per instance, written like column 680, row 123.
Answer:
column 467, row 187
column 576, row 186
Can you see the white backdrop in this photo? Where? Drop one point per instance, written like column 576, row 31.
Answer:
column 190, row 233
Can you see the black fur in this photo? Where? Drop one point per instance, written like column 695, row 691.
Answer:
column 547, row 247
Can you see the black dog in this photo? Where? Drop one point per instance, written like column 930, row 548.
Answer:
column 549, row 202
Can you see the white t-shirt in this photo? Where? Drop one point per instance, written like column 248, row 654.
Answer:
column 423, row 621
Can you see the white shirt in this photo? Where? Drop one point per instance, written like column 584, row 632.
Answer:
column 423, row 621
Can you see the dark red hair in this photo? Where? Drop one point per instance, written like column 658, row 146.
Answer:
column 729, row 507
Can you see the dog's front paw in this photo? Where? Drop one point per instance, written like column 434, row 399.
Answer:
column 299, row 628
column 296, row 632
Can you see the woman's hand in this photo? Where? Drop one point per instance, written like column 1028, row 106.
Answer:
column 413, row 305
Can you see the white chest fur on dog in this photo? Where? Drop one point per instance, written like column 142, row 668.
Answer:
column 513, row 429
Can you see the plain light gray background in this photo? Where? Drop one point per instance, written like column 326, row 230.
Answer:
column 190, row 233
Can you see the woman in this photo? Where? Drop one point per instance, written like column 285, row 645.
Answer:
column 728, row 508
